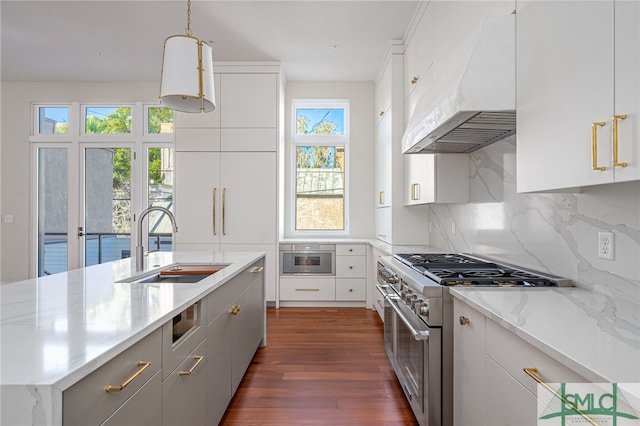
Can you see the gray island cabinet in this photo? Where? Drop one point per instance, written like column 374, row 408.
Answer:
column 107, row 351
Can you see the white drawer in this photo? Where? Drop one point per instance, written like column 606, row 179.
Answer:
column 351, row 289
column 351, row 266
column 514, row 355
column 88, row 402
column 307, row 288
column 351, row 250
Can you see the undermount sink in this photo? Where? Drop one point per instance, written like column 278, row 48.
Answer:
column 186, row 273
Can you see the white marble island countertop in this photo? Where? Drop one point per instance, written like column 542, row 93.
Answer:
column 55, row 330
column 596, row 336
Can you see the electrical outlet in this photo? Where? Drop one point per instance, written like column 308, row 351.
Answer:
column 605, row 245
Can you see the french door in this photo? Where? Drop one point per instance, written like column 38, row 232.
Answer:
column 88, row 196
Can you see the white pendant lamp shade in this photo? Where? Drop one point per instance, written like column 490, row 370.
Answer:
column 187, row 75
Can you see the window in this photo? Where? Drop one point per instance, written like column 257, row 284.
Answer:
column 319, row 145
column 96, row 166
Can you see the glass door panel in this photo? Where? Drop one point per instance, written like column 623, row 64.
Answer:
column 107, row 206
column 53, row 210
column 159, row 193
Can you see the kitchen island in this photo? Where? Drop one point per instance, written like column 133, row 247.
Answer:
column 561, row 335
column 59, row 329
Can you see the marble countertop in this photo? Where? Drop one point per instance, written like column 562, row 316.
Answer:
column 57, row 329
column 596, row 336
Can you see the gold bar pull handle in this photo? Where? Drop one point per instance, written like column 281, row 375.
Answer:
column 224, row 197
column 615, row 140
column 214, row 196
column 257, row 269
column 594, row 144
column 198, row 359
column 533, row 373
column 143, row 366
column 381, row 197
column 415, row 191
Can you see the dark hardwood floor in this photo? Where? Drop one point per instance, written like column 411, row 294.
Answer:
column 321, row 366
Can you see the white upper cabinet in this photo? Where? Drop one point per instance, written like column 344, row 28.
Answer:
column 249, row 100
column 577, row 82
column 383, row 93
column 436, row 178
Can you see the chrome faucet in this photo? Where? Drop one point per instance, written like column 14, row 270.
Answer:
column 139, row 247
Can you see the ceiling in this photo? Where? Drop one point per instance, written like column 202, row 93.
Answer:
column 112, row 40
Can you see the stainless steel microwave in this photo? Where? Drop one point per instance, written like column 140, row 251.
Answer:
column 307, row 259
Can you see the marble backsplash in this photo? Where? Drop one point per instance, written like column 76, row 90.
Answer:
column 552, row 232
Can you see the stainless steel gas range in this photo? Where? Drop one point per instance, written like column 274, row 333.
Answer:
column 418, row 319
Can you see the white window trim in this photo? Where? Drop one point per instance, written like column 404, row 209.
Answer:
column 318, row 140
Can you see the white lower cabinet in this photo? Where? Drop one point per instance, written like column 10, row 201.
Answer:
column 304, row 288
column 491, row 386
column 133, row 380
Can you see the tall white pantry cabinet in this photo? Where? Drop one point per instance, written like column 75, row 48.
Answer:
column 226, row 168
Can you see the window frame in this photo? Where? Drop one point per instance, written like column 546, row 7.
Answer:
column 337, row 140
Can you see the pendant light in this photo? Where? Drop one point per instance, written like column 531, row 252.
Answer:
column 186, row 82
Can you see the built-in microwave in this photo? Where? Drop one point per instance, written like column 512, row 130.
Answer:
column 307, row 259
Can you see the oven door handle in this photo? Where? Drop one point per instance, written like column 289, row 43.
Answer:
column 417, row 334
column 381, row 289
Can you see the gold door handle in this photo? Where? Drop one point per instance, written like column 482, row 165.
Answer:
column 198, row 359
column 415, row 191
column 215, row 190
column 234, row 310
column 381, row 197
column 615, row 140
column 224, row 197
column 533, row 373
column 594, row 145
column 143, row 366
column 414, row 80
column 464, row 320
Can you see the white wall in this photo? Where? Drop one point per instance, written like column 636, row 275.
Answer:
column 361, row 147
column 557, row 233
column 15, row 175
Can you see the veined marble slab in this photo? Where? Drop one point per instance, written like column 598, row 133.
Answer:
column 55, row 330
column 595, row 335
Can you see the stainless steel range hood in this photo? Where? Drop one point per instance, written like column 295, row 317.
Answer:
column 472, row 103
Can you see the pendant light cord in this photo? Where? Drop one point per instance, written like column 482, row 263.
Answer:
column 188, row 18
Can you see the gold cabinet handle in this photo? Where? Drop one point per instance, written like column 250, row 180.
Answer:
column 533, row 373
column 381, row 197
column 234, row 310
column 381, row 113
column 198, row 359
column 307, row 289
column 143, row 366
column 257, row 269
column 414, row 80
column 415, row 191
column 224, row 196
column 350, row 290
column 464, row 320
column 350, row 266
column 594, row 145
column 350, row 250
column 615, row 140
column 215, row 190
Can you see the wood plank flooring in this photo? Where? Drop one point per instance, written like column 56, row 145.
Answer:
column 321, row 366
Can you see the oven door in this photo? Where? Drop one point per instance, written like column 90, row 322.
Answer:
column 418, row 363
column 389, row 320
